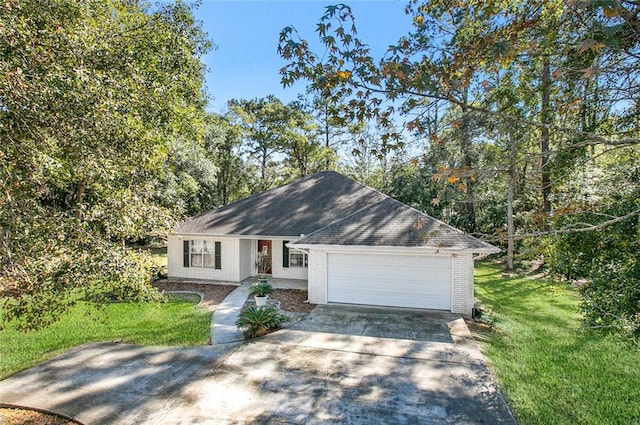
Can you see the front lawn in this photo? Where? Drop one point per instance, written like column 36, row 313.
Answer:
column 551, row 370
column 178, row 322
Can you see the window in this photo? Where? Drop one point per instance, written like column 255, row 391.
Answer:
column 201, row 253
column 298, row 259
column 293, row 257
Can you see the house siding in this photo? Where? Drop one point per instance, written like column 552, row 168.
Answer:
column 284, row 272
column 230, row 255
column 462, row 289
column 247, row 258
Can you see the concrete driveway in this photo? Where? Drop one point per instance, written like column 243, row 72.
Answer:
column 340, row 365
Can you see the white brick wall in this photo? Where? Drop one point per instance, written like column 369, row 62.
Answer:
column 462, row 283
column 317, row 280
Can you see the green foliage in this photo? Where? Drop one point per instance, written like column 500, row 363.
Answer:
column 261, row 289
column 331, row 134
column 203, row 174
column 91, row 97
column 264, row 123
column 611, row 301
column 608, row 256
column 414, row 185
column 282, row 141
column 552, row 370
column 223, row 144
column 177, row 322
column 258, row 321
column 188, row 185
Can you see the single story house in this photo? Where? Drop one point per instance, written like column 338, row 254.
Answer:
column 352, row 244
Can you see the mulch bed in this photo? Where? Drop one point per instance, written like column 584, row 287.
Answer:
column 18, row 416
column 213, row 294
column 291, row 303
column 291, row 300
column 288, row 300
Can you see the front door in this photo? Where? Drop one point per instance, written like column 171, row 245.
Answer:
column 264, row 257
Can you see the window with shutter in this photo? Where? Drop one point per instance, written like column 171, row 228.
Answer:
column 202, row 253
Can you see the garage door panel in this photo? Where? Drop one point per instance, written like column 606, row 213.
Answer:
column 389, row 272
column 390, row 280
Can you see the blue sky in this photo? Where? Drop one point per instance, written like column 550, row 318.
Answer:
column 246, row 63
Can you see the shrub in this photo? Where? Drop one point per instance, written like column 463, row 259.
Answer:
column 612, row 300
column 608, row 256
column 259, row 321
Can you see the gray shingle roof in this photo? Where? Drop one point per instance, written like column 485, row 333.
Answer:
column 392, row 223
column 297, row 208
column 331, row 209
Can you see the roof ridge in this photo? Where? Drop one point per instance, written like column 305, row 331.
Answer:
column 442, row 223
column 397, row 202
column 405, row 205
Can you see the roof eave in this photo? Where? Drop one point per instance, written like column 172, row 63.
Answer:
column 425, row 249
column 234, row 235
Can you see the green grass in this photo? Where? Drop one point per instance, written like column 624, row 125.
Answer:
column 178, row 322
column 553, row 371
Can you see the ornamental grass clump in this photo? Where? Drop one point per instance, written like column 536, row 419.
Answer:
column 257, row 321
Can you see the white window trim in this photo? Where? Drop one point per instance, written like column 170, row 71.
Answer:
column 298, row 252
column 212, row 253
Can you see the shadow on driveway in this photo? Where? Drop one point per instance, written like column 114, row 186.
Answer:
column 337, row 366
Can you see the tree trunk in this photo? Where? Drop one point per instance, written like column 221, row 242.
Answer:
column 545, row 115
column 510, row 190
column 327, row 139
column 467, row 159
column 263, row 169
column 79, row 197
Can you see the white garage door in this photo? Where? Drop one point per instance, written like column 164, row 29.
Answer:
column 390, row 280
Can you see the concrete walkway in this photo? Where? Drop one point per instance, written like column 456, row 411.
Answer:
column 223, row 321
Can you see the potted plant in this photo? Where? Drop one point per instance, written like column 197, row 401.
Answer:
column 260, row 292
column 263, row 264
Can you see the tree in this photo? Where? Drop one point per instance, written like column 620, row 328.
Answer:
column 91, row 96
column 454, row 53
column 332, row 133
column 280, row 140
column 223, row 141
column 366, row 159
column 574, row 70
column 264, row 124
column 304, row 154
column 187, row 185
